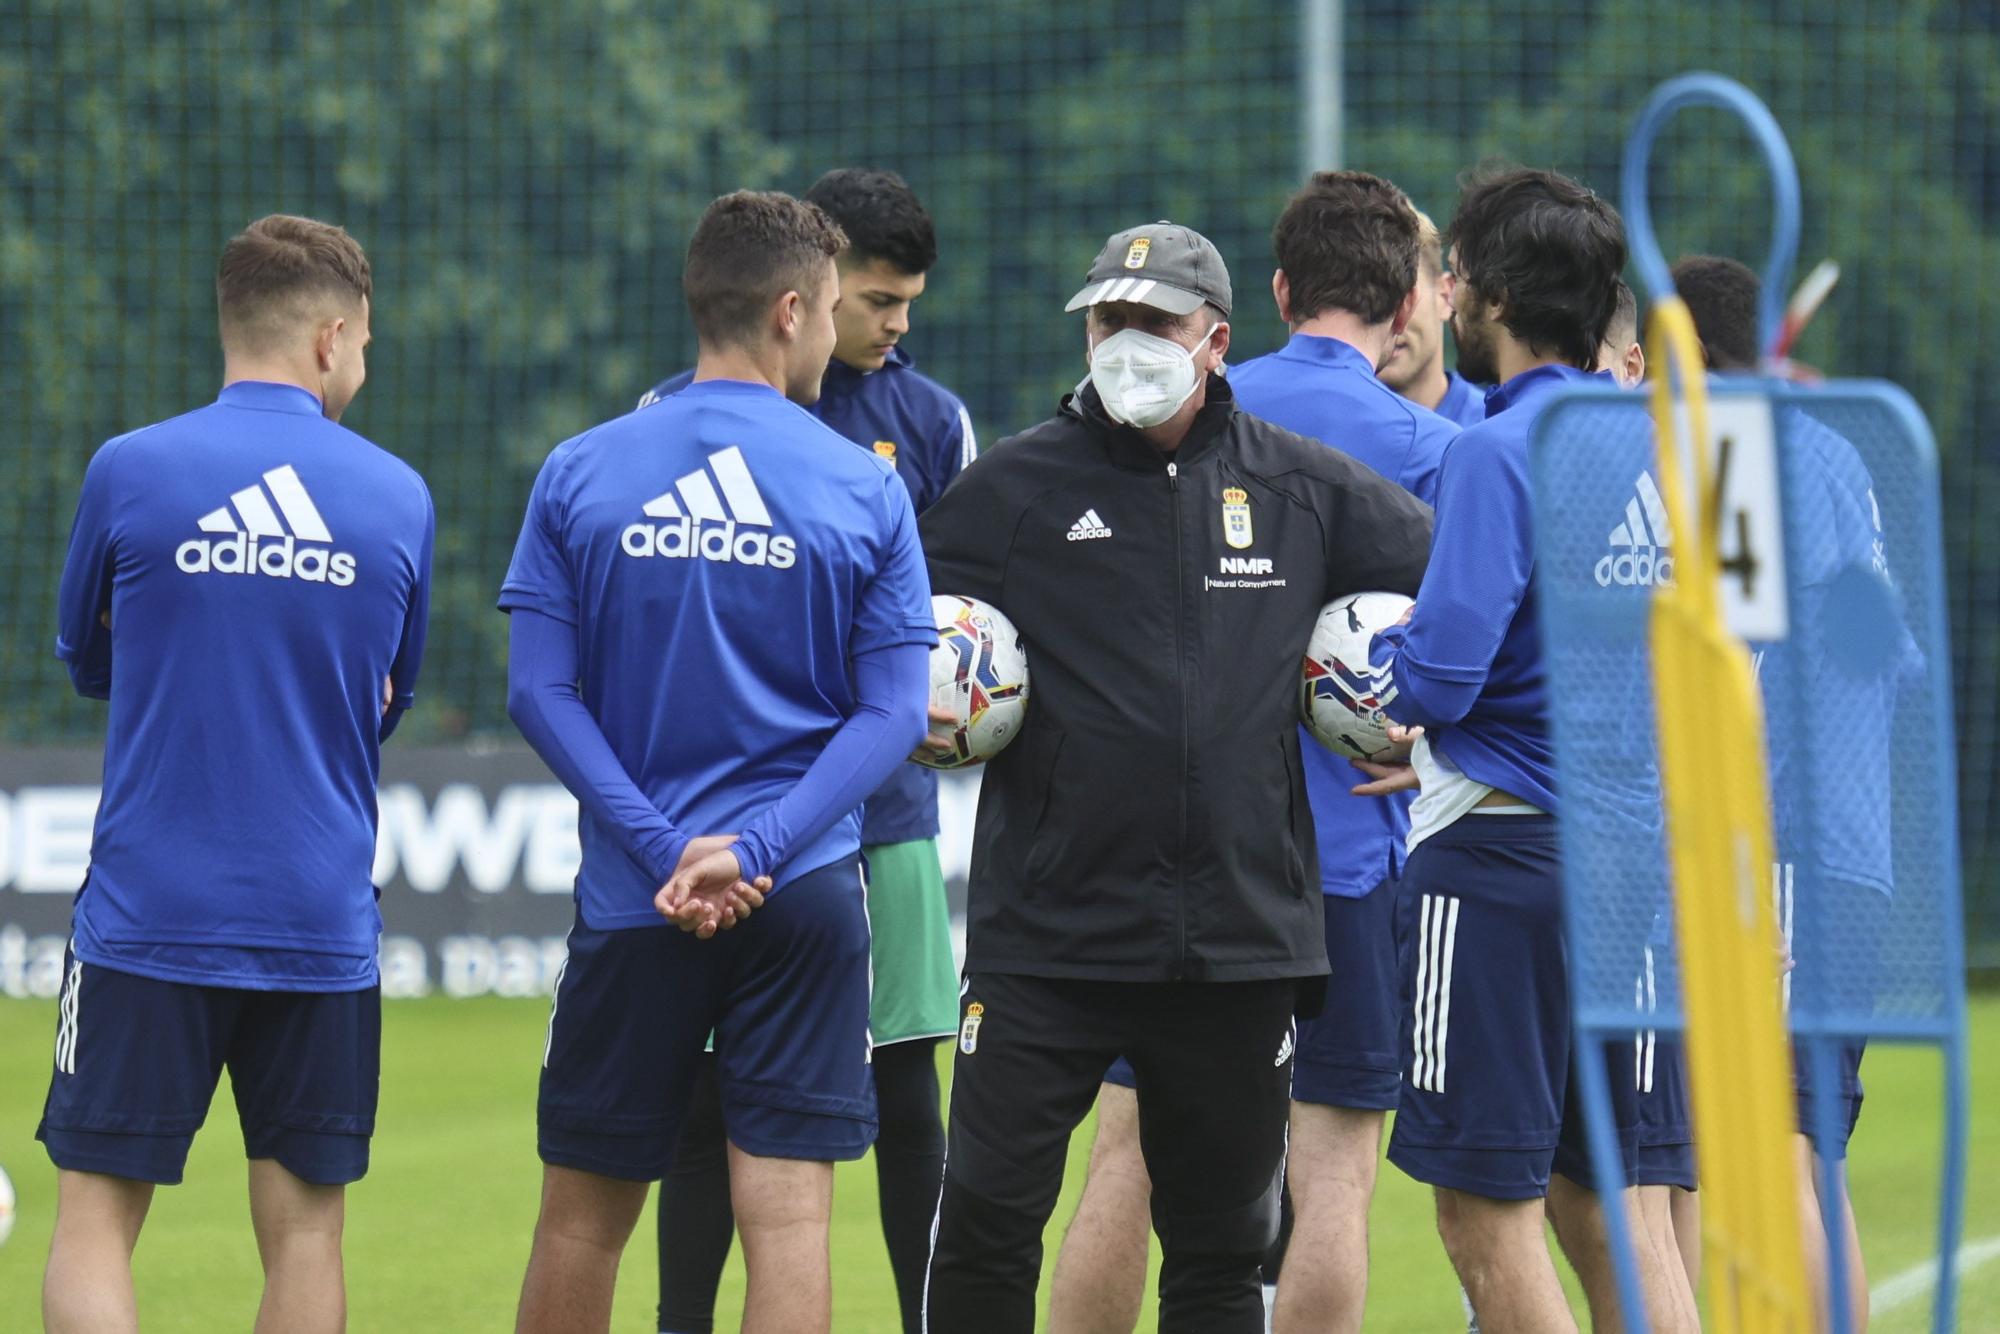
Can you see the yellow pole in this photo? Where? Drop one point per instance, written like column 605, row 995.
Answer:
column 1717, row 797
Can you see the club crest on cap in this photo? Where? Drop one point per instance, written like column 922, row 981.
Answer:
column 1135, row 258
column 887, row 449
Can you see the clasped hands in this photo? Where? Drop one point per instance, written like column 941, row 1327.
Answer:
column 707, row 892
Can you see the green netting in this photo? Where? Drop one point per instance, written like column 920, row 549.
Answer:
column 524, row 177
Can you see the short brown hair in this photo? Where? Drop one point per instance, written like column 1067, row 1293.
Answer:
column 275, row 272
column 749, row 249
column 1348, row 241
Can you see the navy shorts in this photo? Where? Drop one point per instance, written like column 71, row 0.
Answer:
column 1490, row 1105
column 786, row 995
column 1842, row 986
column 1666, row 1122
column 1659, row 1074
column 1847, row 1096
column 1347, row 1054
column 137, row 1059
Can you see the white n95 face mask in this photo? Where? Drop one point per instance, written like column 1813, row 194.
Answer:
column 1144, row 379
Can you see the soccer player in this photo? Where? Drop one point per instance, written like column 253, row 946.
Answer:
column 1140, row 862
column 1848, row 875
column 1486, row 1116
column 1665, row 1169
column 1415, row 368
column 1621, row 353
column 1347, row 248
column 872, row 394
column 246, row 585
column 719, row 642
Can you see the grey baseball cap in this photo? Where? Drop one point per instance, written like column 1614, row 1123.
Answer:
column 1160, row 264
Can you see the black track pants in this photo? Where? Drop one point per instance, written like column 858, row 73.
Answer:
column 1214, row 1068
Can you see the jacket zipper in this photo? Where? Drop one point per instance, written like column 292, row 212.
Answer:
column 1180, row 676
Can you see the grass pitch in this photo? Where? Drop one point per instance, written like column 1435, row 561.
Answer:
column 438, row 1232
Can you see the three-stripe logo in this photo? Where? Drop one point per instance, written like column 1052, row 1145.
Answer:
column 1646, row 1041
column 723, row 496
column 66, row 1010
column 1088, row 528
column 1642, row 547
column 272, row 528
column 1437, row 939
column 1120, row 289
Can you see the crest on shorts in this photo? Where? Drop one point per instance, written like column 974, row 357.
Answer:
column 887, row 450
column 1135, row 256
column 968, row 1032
column 1236, row 517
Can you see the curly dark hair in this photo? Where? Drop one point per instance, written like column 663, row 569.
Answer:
column 1546, row 252
column 1721, row 294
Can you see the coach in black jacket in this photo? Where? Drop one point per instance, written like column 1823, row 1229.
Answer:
column 1144, row 875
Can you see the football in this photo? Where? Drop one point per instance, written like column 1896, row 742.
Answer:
column 979, row 673
column 1341, row 695
column 6, row 1206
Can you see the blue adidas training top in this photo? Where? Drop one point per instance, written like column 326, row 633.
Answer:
column 264, row 570
column 723, row 557
column 1327, row 389
column 925, row 433
column 1830, row 690
column 1468, row 666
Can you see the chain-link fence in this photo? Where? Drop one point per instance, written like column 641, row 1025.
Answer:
column 524, row 177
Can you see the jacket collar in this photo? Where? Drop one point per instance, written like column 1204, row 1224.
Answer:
column 1129, row 449
column 1532, row 382
column 265, row 396
column 1321, row 350
column 843, row 376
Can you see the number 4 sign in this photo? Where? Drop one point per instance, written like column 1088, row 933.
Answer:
column 1750, row 536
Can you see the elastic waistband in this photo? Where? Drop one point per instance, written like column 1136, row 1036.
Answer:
column 1473, row 828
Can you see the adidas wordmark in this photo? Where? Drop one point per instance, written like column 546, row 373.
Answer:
column 727, row 503
column 1088, row 527
column 294, row 546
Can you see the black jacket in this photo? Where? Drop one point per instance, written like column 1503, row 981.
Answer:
column 1150, row 822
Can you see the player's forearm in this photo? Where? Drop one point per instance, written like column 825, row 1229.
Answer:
column 83, row 632
column 542, row 700
column 91, row 680
column 86, row 652
column 1427, row 696
column 887, row 723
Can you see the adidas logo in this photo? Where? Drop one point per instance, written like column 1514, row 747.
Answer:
column 1088, row 527
column 1284, row 1049
column 718, row 525
column 1642, row 547
column 250, row 548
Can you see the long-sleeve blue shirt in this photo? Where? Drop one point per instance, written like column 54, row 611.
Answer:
column 1464, row 402
column 925, row 433
column 1468, row 667
column 241, row 583
column 722, row 561
column 1327, row 389
column 1830, row 689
